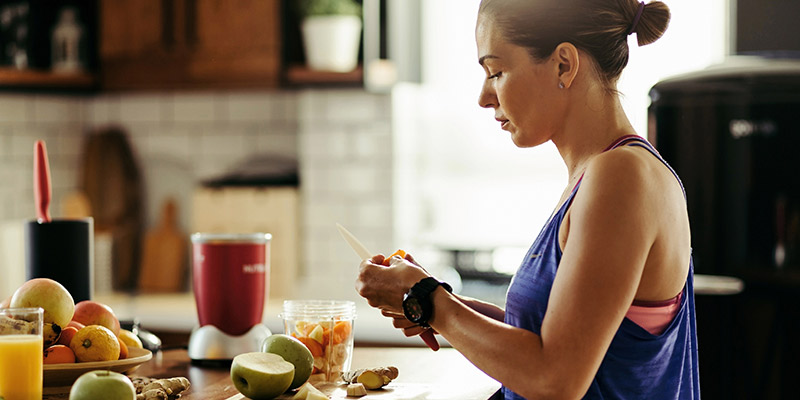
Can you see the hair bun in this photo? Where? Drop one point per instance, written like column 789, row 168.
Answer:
column 652, row 22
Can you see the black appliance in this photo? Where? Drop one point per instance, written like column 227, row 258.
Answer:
column 732, row 133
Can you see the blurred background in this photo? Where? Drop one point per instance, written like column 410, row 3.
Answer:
column 164, row 118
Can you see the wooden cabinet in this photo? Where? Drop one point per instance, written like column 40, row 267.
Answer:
column 173, row 44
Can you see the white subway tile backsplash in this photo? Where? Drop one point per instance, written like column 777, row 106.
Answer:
column 194, row 108
column 15, row 108
column 55, row 109
column 5, row 135
column 141, row 108
column 230, row 143
column 22, row 140
column 373, row 209
column 372, row 145
column 103, row 110
column 315, row 181
column 355, row 106
column 257, row 106
column 69, row 141
column 172, row 143
column 331, row 143
column 342, row 139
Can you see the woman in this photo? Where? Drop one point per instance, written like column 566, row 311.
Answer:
column 602, row 305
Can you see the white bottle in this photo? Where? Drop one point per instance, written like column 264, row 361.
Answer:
column 67, row 36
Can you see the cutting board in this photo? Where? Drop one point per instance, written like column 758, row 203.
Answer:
column 394, row 391
column 163, row 266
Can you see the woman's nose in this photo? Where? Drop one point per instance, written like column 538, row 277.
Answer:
column 487, row 97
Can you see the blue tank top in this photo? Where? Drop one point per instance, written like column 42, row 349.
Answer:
column 638, row 364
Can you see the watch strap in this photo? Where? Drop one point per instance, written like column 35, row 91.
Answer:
column 426, row 286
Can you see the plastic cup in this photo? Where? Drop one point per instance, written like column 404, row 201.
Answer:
column 326, row 328
column 21, row 348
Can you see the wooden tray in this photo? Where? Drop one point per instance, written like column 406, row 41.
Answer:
column 66, row 374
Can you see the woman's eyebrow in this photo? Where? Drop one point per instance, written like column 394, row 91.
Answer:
column 482, row 59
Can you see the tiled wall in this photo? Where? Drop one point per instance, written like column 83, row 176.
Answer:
column 342, row 139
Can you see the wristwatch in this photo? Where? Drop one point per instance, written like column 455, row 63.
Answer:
column 417, row 305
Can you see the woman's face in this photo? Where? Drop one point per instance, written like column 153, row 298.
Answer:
column 521, row 90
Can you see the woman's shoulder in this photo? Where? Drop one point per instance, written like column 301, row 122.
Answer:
column 627, row 166
column 629, row 177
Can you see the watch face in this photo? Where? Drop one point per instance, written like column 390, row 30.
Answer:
column 413, row 309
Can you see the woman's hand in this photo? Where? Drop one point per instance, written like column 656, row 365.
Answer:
column 400, row 321
column 384, row 287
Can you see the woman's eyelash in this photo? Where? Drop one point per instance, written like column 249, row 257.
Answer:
column 497, row 75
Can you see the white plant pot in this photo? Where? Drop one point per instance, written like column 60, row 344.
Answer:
column 331, row 42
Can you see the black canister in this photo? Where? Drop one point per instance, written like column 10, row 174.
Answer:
column 62, row 250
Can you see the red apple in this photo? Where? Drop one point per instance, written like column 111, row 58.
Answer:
column 76, row 324
column 90, row 312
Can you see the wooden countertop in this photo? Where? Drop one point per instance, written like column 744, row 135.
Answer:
column 424, row 374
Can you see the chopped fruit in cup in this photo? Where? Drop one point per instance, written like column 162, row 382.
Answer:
column 330, row 342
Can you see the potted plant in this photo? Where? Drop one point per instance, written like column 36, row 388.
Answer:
column 331, row 31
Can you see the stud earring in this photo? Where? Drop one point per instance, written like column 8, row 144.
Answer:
column 560, row 85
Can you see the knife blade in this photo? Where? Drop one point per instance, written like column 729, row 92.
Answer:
column 354, row 243
column 361, row 250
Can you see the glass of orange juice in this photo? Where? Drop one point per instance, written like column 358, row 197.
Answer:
column 21, row 348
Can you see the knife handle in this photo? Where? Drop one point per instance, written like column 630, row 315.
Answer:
column 429, row 339
column 41, row 182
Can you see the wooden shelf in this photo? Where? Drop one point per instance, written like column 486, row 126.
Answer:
column 11, row 78
column 302, row 75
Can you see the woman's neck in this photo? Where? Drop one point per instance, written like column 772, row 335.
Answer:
column 594, row 121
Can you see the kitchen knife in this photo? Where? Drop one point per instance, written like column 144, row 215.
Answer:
column 41, row 181
column 361, row 250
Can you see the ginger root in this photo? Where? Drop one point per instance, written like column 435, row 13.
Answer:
column 159, row 389
column 371, row 378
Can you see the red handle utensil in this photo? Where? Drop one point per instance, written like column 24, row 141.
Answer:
column 41, row 181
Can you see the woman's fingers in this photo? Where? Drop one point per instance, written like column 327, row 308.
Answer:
column 392, row 314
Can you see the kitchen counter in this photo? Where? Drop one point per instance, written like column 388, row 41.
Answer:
column 424, row 374
column 177, row 313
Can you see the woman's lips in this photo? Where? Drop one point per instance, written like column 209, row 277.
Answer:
column 503, row 124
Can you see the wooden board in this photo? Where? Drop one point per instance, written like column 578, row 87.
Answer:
column 164, row 257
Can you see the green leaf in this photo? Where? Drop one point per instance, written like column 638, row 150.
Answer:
column 308, row 8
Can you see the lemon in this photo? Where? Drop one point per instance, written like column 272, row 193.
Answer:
column 130, row 339
column 95, row 343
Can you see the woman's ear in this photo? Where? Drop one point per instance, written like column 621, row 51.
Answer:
column 568, row 60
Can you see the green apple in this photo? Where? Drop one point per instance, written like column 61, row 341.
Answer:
column 261, row 376
column 106, row 385
column 293, row 351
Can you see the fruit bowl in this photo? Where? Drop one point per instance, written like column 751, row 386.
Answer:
column 66, row 374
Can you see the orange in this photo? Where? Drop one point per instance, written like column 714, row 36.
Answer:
column 316, row 348
column 341, row 331
column 95, row 343
column 399, row 252
column 58, row 354
column 123, row 349
column 66, row 335
column 130, row 339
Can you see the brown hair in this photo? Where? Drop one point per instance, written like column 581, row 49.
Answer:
column 598, row 27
